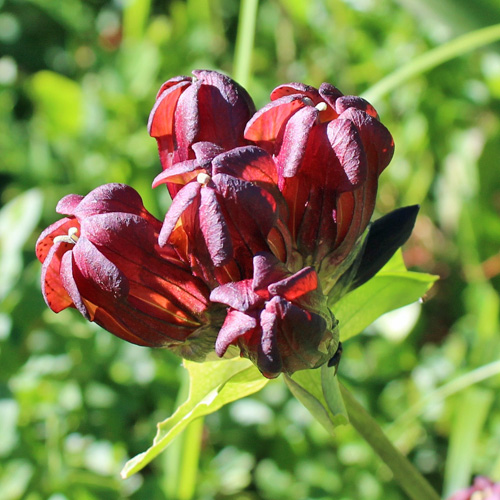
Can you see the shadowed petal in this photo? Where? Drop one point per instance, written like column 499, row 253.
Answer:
column 185, row 197
column 235, row 325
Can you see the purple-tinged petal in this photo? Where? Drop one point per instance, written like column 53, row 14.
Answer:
column 295, row 286
column 294, row 88
column 267, row 269
column 185, row 197
column 112, row 198
column 99, row 270
column 45, row 241
column 351, row 101
column 53, row 290
column 295, row 141
column 206, row 151
column 266, row 124
column 330, row 94
column 214, row 227
column 238, row 295
column 269, row 358
column 186, row 118
column 180, row 173
column 249, row 163
column 68, row 281
column 161, row 118
column 346, row 144
column 376, row 139
column 68, row 204
column 235, row 325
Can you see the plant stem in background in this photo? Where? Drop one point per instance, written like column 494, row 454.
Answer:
column 408, row 477
column 244, row 41
column 433, row 58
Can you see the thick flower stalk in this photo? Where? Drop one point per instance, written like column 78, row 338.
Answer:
column 266, row 230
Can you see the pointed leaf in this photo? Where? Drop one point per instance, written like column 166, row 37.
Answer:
column 391, row 288
column 212, row 385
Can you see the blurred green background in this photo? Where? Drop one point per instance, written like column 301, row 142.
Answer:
column 77, row 81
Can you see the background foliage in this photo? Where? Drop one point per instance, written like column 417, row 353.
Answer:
column 77, row 81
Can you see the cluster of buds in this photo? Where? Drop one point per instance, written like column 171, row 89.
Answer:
column 266, row 230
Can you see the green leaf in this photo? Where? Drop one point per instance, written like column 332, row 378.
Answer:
column 18, row 219
column 212, row 385
column 319, row 392
column 393, row 287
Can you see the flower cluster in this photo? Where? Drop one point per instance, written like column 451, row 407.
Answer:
column 265, row 231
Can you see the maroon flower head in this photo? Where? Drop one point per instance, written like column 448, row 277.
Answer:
column 330, row 150
column 105, row 261
column 207, row 107
column 279, row 320
column 227, row 208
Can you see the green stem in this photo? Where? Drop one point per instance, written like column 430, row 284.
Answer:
column 244, row 41
column 433, row 58
column 412, row 482
column 188, row 470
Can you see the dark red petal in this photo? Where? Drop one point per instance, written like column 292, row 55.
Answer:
column 185, row 197
column 268, row 353
column 172, row 82
column 99, row 270
column 266, row 124
column 161, row 118
column 68, row 204
column 346, row 144
column 267, row 269
column 186, row 119
column 238, row 295
column 377, row 140
column 295, row 88
column 330, row 94
column 295, row 141
column 235, row 325
column 214, row 228
column 68, row 281
column 295, row 286
column 351, row 101
column 46, row 239
column 53, row 290
column 113, row 198
column 249, row 163
column 206, row 151
column 180, row 173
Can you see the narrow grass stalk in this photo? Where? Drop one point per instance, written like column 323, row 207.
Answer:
column 188, row 470
column 408, row 477
column 432, row 58
column 244, row 41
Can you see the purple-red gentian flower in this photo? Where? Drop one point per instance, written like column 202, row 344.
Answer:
column 279, row 320
column 266, row 230
column 330, row 150
column 227, row 207
column 482, row 489
column 104, row 260
column 206, row 107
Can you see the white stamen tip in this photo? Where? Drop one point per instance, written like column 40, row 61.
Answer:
column 203, row 178
column 71, row 237
column 321, row 106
